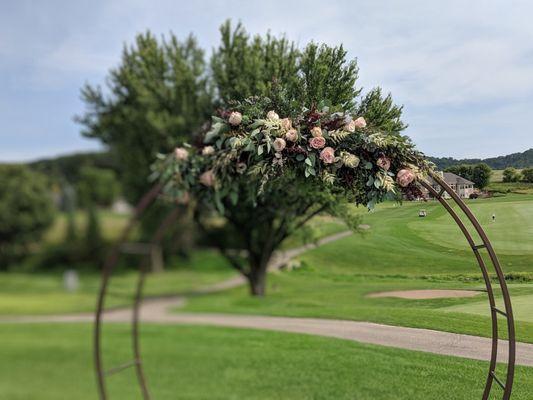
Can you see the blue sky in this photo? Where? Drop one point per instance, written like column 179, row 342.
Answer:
column 463, row 70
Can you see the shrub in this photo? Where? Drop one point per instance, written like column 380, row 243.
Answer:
column 26, row 211
column 510, row 174
column 527, row 175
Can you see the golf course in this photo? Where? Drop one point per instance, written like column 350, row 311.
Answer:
column 395, row 251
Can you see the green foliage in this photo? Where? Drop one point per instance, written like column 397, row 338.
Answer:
column 381, row 112
column 516, row 160
column 93, row 237
column 26, row 210
column 477, row 173
column 270, row 175
column 527, row 175
column 275, row 68
column 69, row 199
column 67, row 168
column 510, row 174
column 97, row 186
column 157, row 96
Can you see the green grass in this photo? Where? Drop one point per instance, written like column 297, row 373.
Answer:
column 23, row 293
column 511, row 187
column 184, row 362
column 400, row 251
column 522, row 307
column 111, row 225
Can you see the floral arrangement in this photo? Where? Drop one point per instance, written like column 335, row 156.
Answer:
column 253, row 146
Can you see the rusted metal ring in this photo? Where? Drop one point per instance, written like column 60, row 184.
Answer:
column 484, row 243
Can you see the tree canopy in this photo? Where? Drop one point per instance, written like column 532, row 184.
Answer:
column 26, row 210
column 265, row 175
column 157, row 97
column 478, row 173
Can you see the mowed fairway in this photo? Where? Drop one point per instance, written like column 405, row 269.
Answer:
column 400, row 251
column 397, row 253
column 510, row 233
column 184, row 362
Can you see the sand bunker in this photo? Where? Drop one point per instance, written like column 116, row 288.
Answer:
column 426, row 294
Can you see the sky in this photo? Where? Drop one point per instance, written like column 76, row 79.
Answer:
column 462, row 69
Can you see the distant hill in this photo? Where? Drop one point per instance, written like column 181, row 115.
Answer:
column 517, row 160
column 68, row 167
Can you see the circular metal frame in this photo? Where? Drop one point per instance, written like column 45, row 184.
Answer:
column 477, row 247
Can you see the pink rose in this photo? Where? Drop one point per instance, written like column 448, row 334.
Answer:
column 286, row 124
column 404, row 177
column 317, row 142
column 383, row 162
column 360, row 123
column 292, row 135
column 327, row 155
column 235, row 118
column 208, row 178
column 181, row 154
column 279, row 144
column 316, row 131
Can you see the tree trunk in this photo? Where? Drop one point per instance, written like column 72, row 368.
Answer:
column 258, row 275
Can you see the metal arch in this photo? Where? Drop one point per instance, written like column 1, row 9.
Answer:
column 508, row 313
column 107, row 271
column 445, row 188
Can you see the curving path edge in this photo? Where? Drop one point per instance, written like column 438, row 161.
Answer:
column 160, row 311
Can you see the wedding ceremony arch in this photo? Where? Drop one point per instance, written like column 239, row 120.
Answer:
column 477, row 239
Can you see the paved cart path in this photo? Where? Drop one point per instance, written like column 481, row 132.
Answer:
column 162, row 311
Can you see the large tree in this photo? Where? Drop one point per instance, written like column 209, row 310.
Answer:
column 266, row 194
column 156, row 97
column 478, row 173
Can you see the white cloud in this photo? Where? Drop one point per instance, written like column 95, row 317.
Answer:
column 433, row 56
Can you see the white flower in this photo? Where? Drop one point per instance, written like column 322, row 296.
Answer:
column 235, row 118
column 279, row 144
column 272, row 115
column 208, row 150
column 316, row 131
column 181, row 154
column 350, row 126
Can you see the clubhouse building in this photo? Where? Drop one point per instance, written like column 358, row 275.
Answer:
column 463, row 187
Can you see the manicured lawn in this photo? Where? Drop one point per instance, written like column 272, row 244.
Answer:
column 43, row 293
column 522, row 308
column 185, row 362
column 508, row 233
column 398, row 252
column 24, row 293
